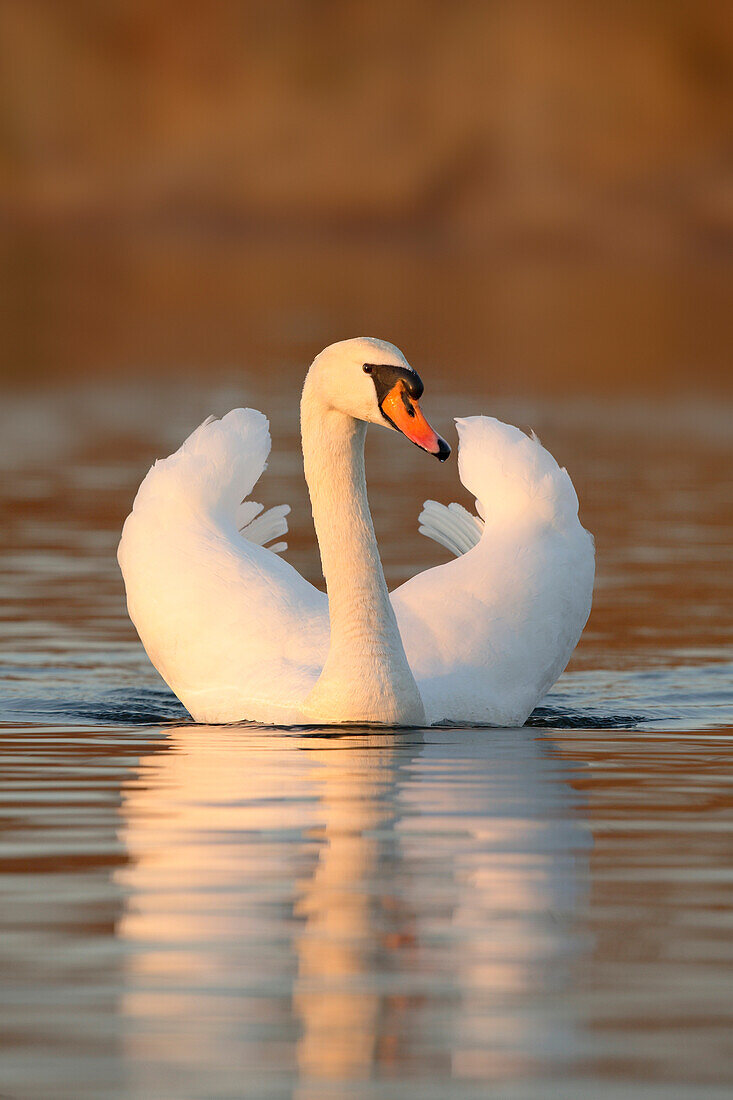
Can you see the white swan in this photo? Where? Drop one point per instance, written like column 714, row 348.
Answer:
column 238, row 634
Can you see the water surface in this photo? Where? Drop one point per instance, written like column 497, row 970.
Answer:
column 218, row 912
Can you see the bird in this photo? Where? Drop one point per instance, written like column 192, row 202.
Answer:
column 240, row 635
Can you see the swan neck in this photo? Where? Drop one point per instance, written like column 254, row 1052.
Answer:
column 333, row 453
column 366, row 676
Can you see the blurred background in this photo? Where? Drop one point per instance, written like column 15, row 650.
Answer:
column 537, row 193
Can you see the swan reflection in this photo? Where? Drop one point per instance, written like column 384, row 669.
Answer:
column 307, row 907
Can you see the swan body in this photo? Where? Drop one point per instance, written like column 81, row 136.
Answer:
column 239, row 634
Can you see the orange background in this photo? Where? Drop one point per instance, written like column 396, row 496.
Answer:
column 541, row 192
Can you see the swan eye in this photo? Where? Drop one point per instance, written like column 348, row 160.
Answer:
column 367, row 368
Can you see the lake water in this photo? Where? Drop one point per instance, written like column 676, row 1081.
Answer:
column 223, row 912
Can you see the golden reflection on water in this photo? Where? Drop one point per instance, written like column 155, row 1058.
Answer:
column 344, row 924
column 335, row 847
column 218, row 912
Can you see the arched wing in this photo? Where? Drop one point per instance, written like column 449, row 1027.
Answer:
column 231, row 626
column 488, row 633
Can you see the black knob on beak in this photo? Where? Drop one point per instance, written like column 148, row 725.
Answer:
column 413, row 384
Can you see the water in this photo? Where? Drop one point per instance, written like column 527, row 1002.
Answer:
column 220, row 912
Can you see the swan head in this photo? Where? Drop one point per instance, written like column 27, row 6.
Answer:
column 370, row 380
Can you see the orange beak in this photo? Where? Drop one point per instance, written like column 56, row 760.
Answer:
column 403, row 413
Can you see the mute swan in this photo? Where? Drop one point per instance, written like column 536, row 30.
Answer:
column 239, row 634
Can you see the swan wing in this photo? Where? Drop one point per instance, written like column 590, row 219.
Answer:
column 450, row 525
column 488, row 633
column 231, row 626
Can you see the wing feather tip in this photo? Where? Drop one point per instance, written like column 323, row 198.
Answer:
column 451, row 526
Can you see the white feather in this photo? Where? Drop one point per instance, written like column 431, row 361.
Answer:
column 268, row 525
column 231, row 626
column 239, row 634
column 450, row 525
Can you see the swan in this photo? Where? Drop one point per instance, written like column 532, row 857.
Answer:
column 238, row 634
